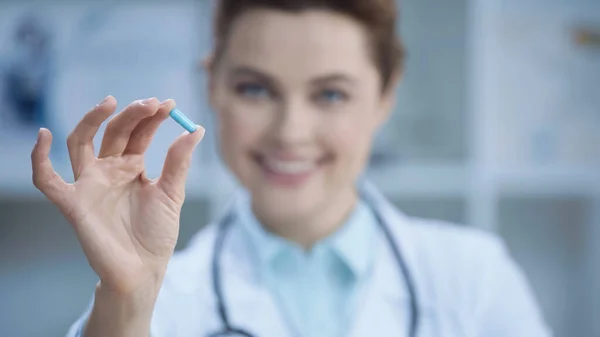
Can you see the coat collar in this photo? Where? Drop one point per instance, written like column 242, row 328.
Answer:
column 386, row 274
column 385, row 291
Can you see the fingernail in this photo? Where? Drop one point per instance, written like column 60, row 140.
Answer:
column 104, row 100
column 202, row 131
column 165, row 101
column 148, row 101
column 39, row 134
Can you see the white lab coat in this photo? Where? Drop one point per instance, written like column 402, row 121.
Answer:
column 466, row 284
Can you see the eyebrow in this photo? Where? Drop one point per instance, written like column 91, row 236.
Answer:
column 334, row 77
column 249, row 71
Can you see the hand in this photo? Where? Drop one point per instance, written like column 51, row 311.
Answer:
column 126, row 223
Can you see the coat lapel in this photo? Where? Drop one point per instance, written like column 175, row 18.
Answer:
column 383, row 302
column 386, row 300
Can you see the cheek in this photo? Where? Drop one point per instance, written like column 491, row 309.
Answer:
column 240, row 128
column 351, row 134
column 350, row 140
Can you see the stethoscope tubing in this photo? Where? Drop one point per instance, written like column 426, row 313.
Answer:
column 228, row 328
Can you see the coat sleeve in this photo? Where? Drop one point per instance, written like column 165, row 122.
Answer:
column 76, row 329
column 506, row 305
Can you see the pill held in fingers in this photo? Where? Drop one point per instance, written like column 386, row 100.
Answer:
column 183, row 120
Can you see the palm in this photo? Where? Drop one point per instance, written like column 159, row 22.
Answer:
column 127, row 224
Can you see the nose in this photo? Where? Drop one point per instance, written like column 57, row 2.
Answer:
column 294, row 123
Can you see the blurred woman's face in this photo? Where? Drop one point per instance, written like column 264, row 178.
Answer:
column 298, row 100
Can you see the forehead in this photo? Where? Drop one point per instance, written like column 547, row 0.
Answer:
column 308, row 43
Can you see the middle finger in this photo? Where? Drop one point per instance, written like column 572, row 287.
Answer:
column 143, row 133
column 80, row 141
column 119, row 129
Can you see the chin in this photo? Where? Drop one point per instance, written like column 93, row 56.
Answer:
column 284, row 204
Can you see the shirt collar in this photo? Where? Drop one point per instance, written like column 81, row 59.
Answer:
column 352, row 243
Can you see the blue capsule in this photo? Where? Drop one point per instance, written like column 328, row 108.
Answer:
column 182, row 120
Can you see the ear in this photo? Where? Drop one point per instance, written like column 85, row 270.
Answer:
column 388, row 96
column 207, row 63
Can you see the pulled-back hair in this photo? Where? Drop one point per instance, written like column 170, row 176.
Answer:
column 378, row 17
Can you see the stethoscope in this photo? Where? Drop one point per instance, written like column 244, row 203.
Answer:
column 229, row 330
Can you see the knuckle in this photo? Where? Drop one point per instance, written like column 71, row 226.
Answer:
column 148, row 110
column 135, row 162
column 176, row 195
column 173, row 150
column 110, row 125
column 185, row 165
column 36, row 157
column 72, row 139
column 38, row 182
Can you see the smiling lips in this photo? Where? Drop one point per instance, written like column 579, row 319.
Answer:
column 288, row 170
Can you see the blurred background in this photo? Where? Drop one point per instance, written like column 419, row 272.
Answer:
column 497, row 126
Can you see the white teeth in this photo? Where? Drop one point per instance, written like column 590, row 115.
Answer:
column 290, row 167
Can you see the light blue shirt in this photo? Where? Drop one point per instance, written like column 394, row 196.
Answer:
column 315, row 289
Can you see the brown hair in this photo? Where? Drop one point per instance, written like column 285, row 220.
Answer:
column 377, row 16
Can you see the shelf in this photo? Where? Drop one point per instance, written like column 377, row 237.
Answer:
column 421, row 180
column 548, row 181
column 395, row 181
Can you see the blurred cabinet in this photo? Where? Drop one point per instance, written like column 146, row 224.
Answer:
column 451, row 210
column 534, row 148
column 549, row 237
column 430, row 123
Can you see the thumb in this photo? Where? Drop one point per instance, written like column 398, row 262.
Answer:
column 44, row 176
column 177, row 164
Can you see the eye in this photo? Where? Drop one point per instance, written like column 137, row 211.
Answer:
column 253, row 90
column 330, row 96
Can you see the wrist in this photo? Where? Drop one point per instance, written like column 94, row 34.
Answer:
column 134, row 292
column 117, row 313
column 138, row 298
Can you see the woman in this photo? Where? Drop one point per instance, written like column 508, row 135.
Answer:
column 300, row 88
